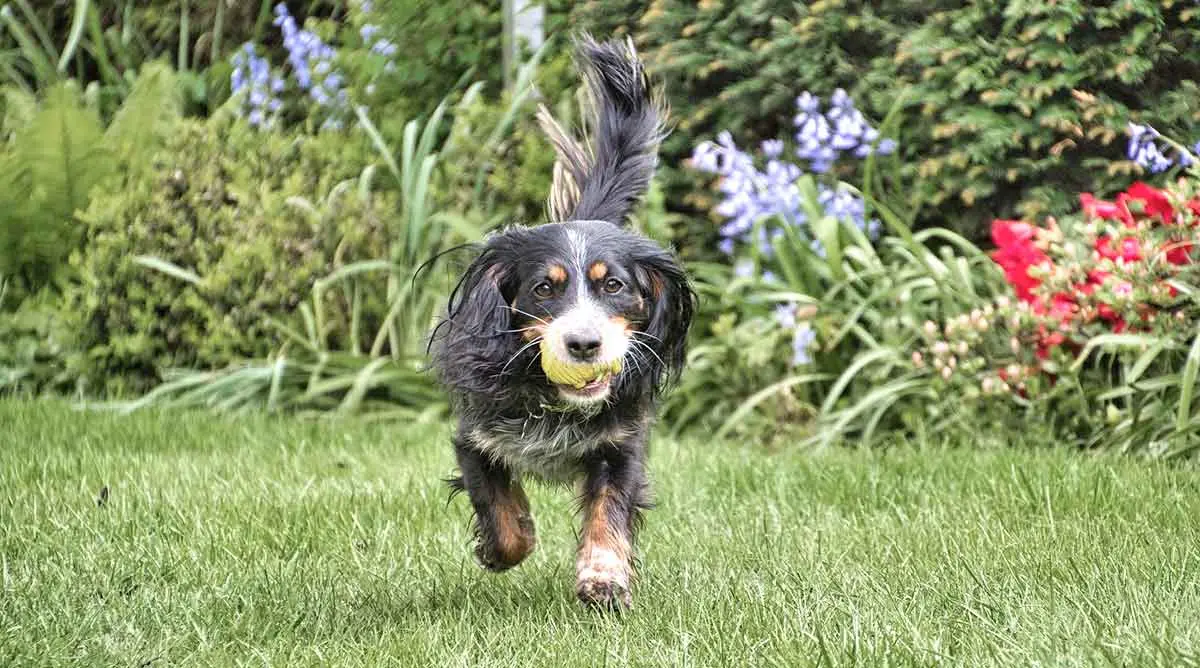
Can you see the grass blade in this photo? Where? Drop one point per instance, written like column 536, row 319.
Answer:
column 78, row 23
column 1187, row 385
column 169, row 268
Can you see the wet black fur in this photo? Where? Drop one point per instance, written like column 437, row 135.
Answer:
column 475, row 349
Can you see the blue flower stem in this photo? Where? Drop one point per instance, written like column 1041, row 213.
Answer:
column 260, row 24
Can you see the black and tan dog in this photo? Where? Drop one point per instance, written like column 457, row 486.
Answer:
column 584, row 290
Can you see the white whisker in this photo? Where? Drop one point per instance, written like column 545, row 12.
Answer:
column 514, row 309
column 647, row 347
column 518, row 353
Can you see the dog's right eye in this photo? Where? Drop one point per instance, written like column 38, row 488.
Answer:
column 543, row 290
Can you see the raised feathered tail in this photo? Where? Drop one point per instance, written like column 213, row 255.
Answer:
column 605, row 178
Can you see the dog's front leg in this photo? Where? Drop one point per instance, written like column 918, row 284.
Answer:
column 504, row 531
column 614, row 494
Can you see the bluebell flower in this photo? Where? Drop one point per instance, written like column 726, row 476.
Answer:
column 368, row 32
column 384, row 48
column 807, row 102
column 750, row 194
column 253, row 79
column 785, row 315
column 310, row 58
column 743, row 268
column 802, row 341
column 1143, row 149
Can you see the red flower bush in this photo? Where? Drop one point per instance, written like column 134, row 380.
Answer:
column 1113, row 267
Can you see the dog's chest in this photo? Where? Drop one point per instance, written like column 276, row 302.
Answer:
column 548, row 447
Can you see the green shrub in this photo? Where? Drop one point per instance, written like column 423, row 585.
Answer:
column 229, row 204
column 994, row 123
column 56, row 151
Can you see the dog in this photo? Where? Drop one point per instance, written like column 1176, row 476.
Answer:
column 591, row 293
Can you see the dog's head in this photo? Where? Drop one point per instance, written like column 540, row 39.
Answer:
column 584, row 292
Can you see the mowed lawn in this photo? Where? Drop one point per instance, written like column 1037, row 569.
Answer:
column 271, row 542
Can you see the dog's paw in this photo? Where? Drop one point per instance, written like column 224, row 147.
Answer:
column 602, row 581
column 501, row 550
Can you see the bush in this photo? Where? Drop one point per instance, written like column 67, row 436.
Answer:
column 227, row 203
column 57, row 151
column 1010, row 104
column 1097, row 336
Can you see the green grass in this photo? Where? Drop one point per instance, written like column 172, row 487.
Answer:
column 258, row 541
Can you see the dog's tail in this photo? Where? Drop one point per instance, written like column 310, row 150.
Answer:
column 606, row 179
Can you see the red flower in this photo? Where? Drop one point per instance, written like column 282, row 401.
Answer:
column 1110, row 316
column 1129, row 251
column 1047, row 341
column 1016, row 253
column 1154, row 201
column 1179, row 252
column 1098, row 208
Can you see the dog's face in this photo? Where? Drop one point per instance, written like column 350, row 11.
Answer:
column 586, row 293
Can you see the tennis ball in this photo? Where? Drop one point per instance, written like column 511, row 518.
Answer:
column 574, row 374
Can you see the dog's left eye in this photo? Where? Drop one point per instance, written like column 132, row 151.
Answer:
column 543, row 290
column 613, row 285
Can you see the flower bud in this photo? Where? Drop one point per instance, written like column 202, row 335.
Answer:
column 918, row 359
column 988, row 385
column 962, row 348
column 931, row 328
column 941, row 348
column 1015, row 345
column 946, row 373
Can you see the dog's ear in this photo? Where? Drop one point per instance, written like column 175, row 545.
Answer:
column 671, row 303
column 477, row 329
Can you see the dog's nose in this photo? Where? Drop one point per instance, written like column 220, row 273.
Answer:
column 583, row 346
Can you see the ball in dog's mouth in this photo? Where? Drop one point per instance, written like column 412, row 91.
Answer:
column 583, row 380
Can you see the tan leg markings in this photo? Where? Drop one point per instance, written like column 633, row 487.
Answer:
column 603, row 568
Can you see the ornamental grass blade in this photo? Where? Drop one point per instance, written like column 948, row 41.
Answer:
column 363, row 381
column 1187, row 385
column 169, row 268
column 882, row 398
column 852, row 371
column 1117, row 342
column 762, row 395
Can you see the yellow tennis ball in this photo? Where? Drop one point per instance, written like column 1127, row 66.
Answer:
column 574, row 374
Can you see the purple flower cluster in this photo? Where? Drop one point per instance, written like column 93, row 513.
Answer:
column 803, row 335
column 751, row 195
column 759, row 204
column 252, row 75
column 311, row 60
column 378, row 45
column 822, row 137
column 1143, row 149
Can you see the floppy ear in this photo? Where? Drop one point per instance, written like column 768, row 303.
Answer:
column 477, row 329
column 671, row 304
